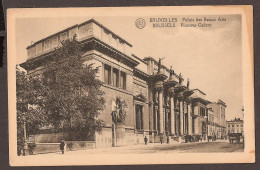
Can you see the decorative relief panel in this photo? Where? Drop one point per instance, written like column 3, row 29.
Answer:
column 128, row 50
column 113, row 41
column 156, row 98
column 139, row 90
column 85, row 30
column 54, row 42
column 185, row 107
column 177, row 104
column 167, row 101
column 31, row 52
column 63, row 36
column 46, row 45
column 105, row 36
column 72, row 32
column 39, row 48
column 121, row 46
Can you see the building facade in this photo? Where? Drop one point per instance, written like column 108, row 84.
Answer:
column 159, row 104
column 235, row 126
column 220, row 118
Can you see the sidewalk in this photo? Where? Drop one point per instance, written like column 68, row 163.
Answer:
column 135, row 149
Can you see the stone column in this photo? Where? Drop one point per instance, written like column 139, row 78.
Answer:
column 151, row 110
column 172, row 115
column 184, row 117
column 161, row 111
column 155, row 117
column 189, row 119
column 166, row 120
column 134, row 116
column 181, row 114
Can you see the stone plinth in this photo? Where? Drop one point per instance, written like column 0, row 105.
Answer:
column 120, row 135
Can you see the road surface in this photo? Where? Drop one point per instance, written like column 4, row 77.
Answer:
column 196, row 147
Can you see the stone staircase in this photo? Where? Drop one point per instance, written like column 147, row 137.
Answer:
column 172, row 139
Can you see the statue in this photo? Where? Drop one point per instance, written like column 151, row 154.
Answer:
column 160, row 64
column 188, row 83
column 119, row 114
column 171, row 72
column 74, row 36
column 180, row 79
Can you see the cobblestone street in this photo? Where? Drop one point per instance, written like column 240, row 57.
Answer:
column 197, row 147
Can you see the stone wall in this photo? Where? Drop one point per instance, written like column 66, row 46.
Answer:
column 49, row 137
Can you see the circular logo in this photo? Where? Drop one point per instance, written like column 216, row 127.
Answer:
column 140, row 23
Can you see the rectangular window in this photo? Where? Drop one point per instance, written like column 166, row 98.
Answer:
column 123, row 80
column 115, row 78
column 107, row 74
column 139, row 117
column 202, row 111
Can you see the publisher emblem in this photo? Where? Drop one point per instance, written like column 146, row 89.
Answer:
column 140, row 23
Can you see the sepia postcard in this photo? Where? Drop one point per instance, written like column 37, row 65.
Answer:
column 131, row 85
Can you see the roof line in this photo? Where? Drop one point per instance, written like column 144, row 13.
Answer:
column 199, row 91
column 139, row 58
column 156, row 62
column 52, row 35
column 78, row 25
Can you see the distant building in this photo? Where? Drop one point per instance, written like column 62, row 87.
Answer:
column 212, row 123
column 235, row 126
column 199, row 104
column 219, row 117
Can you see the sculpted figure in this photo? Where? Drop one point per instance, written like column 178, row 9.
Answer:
column 180, row 79
column 160, row 64
column 188, row 83
column 171, row 72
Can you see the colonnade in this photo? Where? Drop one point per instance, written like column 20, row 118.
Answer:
column 178, row 124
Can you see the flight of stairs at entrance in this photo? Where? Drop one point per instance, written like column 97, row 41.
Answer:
column 175, row 139
column 172, row 139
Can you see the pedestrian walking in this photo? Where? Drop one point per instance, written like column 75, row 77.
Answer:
column 161, row 139
column 62, row 145
column 145, row 140
column 168, row 140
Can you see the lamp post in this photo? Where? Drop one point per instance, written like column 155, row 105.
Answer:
column 243, row 128
column 25, row 146
column 113, row 123
column 206, row 126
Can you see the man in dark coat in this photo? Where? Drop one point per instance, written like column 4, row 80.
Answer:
column 145, row 140
column 161, row 139
column 62, row 145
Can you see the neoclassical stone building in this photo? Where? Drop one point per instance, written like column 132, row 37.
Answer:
column 159, row 103
column 235, row 126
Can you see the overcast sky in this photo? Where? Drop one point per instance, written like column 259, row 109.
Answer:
column 210, row 57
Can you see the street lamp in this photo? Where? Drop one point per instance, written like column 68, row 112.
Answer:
column 206, row 126
column 243, row 127
column 113, row 115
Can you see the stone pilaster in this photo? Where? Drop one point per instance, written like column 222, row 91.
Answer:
column 189, row 118
column 184, row 117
